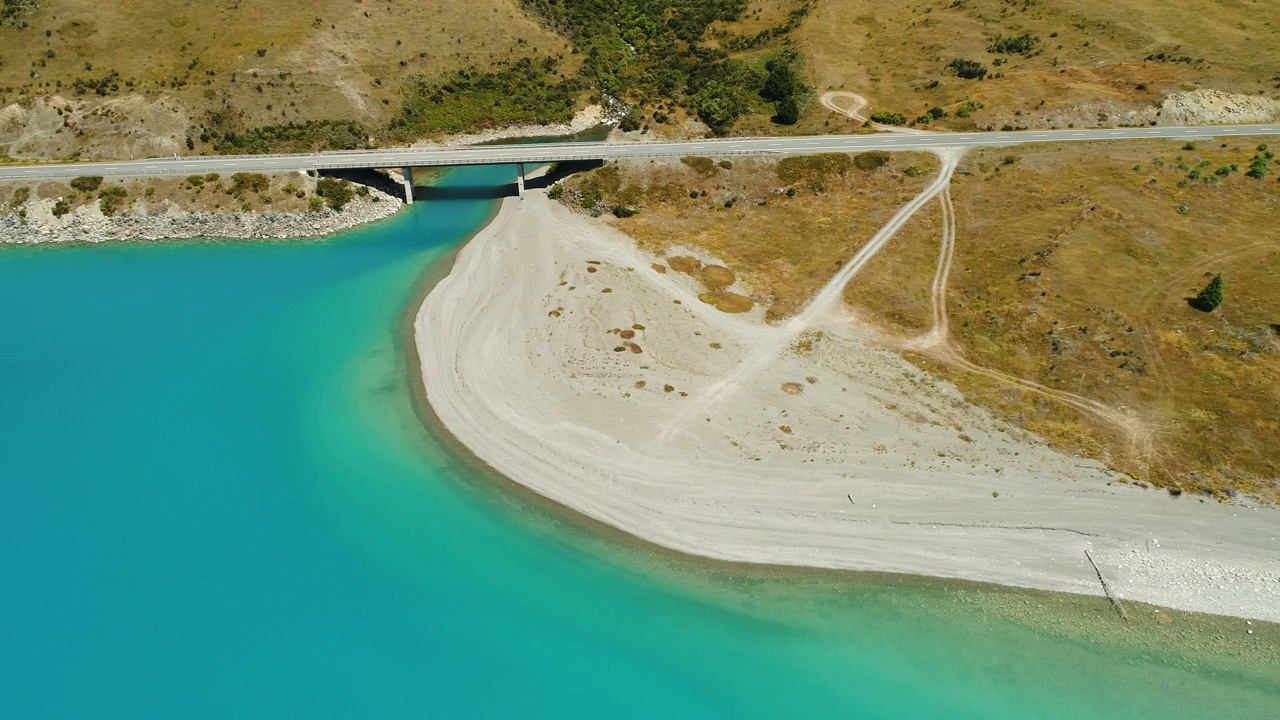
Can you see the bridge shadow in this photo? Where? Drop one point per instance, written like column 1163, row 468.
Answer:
column 560, row 171
column 369, row 177
column 556, row 173
column 380, row 181
column 465, row 192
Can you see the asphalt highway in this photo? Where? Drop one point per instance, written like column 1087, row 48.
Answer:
column 559, row 152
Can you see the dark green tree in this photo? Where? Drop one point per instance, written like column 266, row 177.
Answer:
column 788, row 111
column 783, row 80
column 1211, row 296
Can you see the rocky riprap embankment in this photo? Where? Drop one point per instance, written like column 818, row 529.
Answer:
column 169, row 221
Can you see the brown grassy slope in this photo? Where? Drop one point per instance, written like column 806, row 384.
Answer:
column 783, row 247
column 895, row 284
column 339, row 59
column 891, row 51
column 1073, row 270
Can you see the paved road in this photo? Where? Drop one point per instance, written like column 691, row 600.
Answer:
column 535, row 153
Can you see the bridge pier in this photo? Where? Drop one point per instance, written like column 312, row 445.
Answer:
column 408, row 185
column 519, row 179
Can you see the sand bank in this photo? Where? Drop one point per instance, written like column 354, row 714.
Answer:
column 831, row 454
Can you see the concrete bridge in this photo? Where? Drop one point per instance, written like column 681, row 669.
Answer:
column 405, row 159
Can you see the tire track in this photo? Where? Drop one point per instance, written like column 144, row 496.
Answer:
column 829, row 296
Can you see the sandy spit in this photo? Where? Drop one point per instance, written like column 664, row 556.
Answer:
column 833, row 454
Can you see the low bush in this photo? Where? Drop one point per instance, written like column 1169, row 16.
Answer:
column 111, row 198
column 86, row 183
column 20, row 197
column 888, row 118
column 244, row 182
column 872, row 160
column 967, row 69
column 700, row 165
column 1021, row 45
column 812, row 167
column 336, row 193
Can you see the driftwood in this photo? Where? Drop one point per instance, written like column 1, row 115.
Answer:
column 1106, row 589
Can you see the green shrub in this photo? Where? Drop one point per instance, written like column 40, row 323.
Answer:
column 62, row 207
column 555, row 191
column 1021, row 45
column 20, row 197
column 726, row 164
column 309, row 136
column 111, row 198
column 15, row 12
column 315, row 204
column 968, row 108
column 104, row 85
column 1258, row 167
column 336, row 193
column 1211, row 296
column 788, row 111
column 86, row 183
column 524, row 91
column 631, row 121
column 242, row 182
column 967, row 69
column 888, row 118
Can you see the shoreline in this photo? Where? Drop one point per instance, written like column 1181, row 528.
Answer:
column 671, row 529
column 36, row 223
column 88, row 225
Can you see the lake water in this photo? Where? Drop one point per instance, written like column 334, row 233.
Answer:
column 217, row 500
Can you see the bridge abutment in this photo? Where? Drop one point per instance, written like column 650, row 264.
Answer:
column 408, row 185
column 519, row 179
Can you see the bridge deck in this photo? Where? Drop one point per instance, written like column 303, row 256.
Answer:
column 561, row 152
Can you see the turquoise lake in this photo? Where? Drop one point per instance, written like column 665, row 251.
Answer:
column 218, row 501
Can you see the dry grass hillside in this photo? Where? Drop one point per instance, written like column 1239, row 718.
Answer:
column 274, row 61
column 778, row 226
column 343, row 56
column 1074, row 266
column 1088, row 66
column 1068, row 298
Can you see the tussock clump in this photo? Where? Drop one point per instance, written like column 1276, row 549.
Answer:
column 811, row 167
column 869, row 161
column 727, row 302
column 716, row 277
column 685, row 264
column 700, row 165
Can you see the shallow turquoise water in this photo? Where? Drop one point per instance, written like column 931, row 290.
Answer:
column 217, row 501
